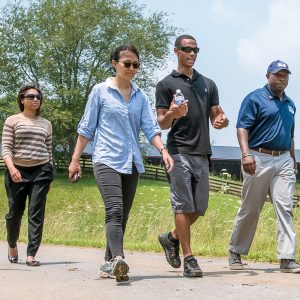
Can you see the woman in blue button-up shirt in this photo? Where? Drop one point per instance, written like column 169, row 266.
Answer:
column 116, row 111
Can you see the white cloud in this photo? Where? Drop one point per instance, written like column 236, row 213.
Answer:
column 224, row 11
column 277, row 38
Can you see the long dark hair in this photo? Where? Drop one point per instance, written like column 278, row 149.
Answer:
column 21, row 95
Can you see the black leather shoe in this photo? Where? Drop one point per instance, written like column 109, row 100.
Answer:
column 13, row 259
column 33, row 263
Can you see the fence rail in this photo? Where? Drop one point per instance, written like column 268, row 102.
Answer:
column 158, row 173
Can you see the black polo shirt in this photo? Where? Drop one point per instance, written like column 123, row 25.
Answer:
column 189, row 134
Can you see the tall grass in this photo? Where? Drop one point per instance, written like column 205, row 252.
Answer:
column 75, row 216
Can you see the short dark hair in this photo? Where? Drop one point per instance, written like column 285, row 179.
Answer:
column 115, row 55
column 182, row 37
column 21, row 95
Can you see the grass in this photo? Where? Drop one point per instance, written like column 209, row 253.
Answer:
column 75, row 216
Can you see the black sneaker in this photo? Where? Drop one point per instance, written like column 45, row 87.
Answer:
column 171, row 250
column 120, row 270
column 235, row 262
column 289, row 266
column 191, row 267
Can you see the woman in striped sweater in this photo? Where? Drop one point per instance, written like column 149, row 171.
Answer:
column 26, row 150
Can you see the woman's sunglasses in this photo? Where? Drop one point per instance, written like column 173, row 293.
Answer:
column 128, row 64
column 32, row 96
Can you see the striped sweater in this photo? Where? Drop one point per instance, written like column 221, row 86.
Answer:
column 27, row 141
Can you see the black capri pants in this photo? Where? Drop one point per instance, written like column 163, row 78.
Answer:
column 35, row 184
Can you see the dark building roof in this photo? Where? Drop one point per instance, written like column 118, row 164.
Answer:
column 218, row 152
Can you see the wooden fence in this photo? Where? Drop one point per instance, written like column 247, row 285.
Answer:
column 157, row 173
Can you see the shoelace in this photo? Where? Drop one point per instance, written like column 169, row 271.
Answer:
column 235, row 257
column 193, row 263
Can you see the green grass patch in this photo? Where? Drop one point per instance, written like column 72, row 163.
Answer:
column 75, row 216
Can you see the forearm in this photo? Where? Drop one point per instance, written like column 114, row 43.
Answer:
column 8, row 161
column 242, row 135
column 292, row 153
column 157, row 142
column 165, row 121
column 80, row 146
column 213, row 112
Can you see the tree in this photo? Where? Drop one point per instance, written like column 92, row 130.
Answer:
column 63, row 46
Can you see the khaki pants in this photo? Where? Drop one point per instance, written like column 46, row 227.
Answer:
column 274, row 176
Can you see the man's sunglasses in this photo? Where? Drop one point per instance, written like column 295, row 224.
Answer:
column 128, row 64
column 188, row 49
column 33, row 96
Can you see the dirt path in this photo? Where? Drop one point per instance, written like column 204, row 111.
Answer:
column 72, row 273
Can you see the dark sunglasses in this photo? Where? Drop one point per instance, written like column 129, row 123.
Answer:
column 32, row 96
column 188, row 49
column 128, row 64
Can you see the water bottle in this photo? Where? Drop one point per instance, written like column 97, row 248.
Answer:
column 179, row 98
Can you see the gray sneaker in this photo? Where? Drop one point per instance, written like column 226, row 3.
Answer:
column 106, row 270
column 120, row 270
column 289, row 266
column 191, row 268
column 235, row 262
column 171, row 250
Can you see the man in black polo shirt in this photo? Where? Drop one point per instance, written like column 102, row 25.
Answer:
column 189, row 144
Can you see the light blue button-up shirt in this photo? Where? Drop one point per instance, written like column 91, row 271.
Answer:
column 115, row 125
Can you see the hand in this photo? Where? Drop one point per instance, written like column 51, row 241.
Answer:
column 179, row 111
column 74, row 168
column 220, row 120
column 168, row 160
column 15, row 175
column 249, row 164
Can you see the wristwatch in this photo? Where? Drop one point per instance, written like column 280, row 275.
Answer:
column 163, row 148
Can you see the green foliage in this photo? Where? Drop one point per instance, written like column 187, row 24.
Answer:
column 75, row 216
column 64, row 47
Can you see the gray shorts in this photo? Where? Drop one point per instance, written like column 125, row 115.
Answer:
column 190, row 184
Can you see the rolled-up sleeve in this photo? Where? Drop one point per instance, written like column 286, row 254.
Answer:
column 89, row 121
column 149, row 124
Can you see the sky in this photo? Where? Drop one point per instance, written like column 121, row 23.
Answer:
column 237, row 40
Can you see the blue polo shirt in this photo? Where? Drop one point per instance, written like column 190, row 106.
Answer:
column 270, row 122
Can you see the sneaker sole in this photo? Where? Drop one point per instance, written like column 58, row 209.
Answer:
column 120, row 271
column 122, row 279
column 290, row 270
column 197, row 274
column 236, row 267
column 106, row 275
column 161, row 241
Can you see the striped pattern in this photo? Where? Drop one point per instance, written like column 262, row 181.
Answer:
column 27, row 141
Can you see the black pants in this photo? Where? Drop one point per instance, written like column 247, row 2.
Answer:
column 117, row 191
column 35, row 184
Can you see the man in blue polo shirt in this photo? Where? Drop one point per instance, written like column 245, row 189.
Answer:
column 265, row 130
